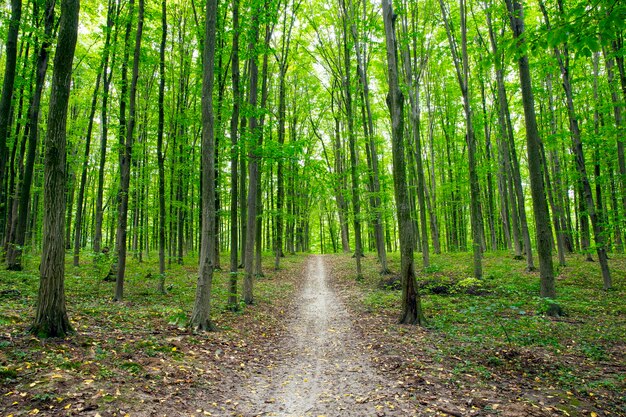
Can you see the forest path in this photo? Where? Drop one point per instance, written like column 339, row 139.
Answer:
column 326, row 370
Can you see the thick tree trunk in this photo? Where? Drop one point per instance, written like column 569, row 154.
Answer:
column 411, row 304
column 51, row 318
column 201, row 315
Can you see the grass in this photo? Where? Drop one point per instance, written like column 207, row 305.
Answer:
column 496, row 327
column 127, row 352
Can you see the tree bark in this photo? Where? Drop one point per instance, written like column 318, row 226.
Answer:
column 15, row 247
column 160, row 156
column 83, row 175
column 201, row 315
column 51, row 318
column 97, row 239
column 234, row 121
column 533, row 145
column 461, row 64
column 577, row 148
column 126, row 149
column 253, row 161
column 411, row 303
column 7, row 86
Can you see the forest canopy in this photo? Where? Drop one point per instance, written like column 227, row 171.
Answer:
column 286, row 126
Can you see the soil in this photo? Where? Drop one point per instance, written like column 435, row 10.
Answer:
column 325, row 369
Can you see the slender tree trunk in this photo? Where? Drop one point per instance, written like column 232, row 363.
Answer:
column 51, row 318
column 201, row 315
column 83, row 176
column 232, row 292
column 462, row 69
column 411, row 304
column 15, row 248
column 160, row 156
column 620, row 136
column 7, row 89
column 490, row 196
column 97, row 239
column 282, row 104
column 253, row 162
column 368, row 128
column 342, row 207
column 577, row 148
column 559, row 216
column 507, row 172
column 533, row 145
column 356, row 199
column 126, row 148
column 413, row 81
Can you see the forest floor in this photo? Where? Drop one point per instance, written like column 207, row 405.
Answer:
column 317, row 342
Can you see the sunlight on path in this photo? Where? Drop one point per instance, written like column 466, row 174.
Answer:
column 326, row 371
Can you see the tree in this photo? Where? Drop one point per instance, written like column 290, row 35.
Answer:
column 51, row 318
column 411, row 303
column 253, row 156
column 562, row 57
column 160, row 157
column 533, row 146
column 201, row 315
column 7, row 86
column 461, row 65
column 17, row 236
column 126, row 149
column 234, row 155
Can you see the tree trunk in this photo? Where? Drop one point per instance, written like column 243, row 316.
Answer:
column 232, row 292
column 533, row 145
column 201, row 315
column 368, row 128
column 411, row 303
column 461, row 64
column 577, row 148
column 253, row 161
column 97, row 239
column 356, row 199
column 51, row 318
column 126, row 149
column 15, row 248
column 7, row 86
column 413, row 81
column 83, row 176
column 160, row 157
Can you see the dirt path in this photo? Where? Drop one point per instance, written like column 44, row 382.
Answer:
column 326, row 370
